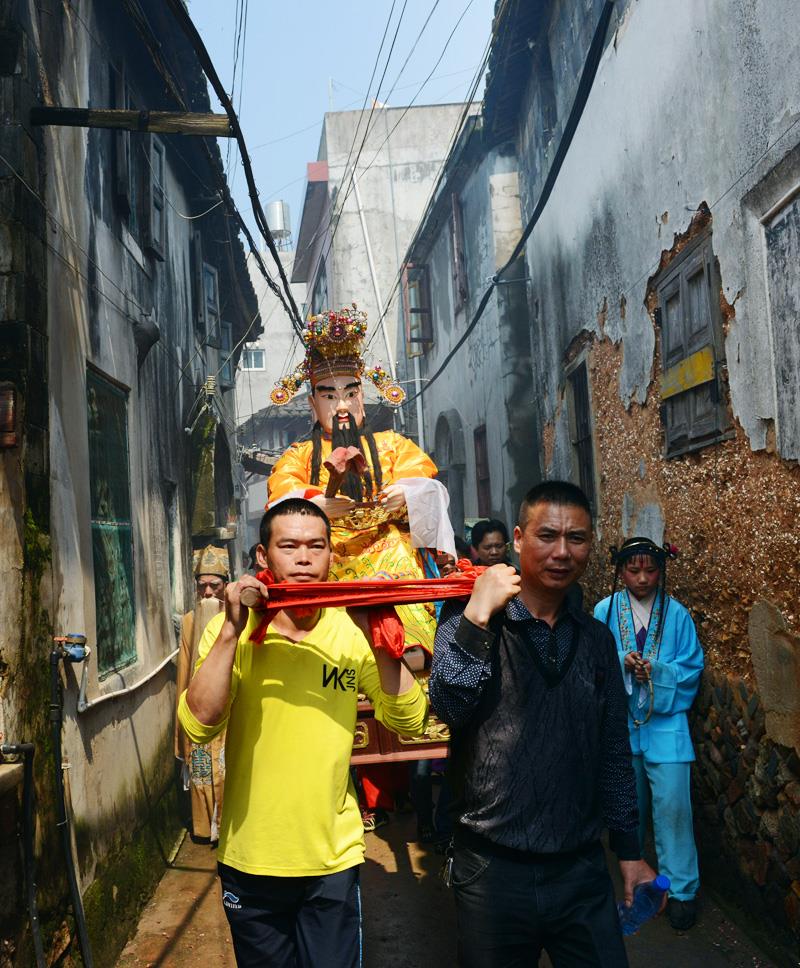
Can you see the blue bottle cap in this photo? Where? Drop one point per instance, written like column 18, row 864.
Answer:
column 662, row 882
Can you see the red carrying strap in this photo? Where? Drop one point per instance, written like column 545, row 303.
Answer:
column 371, row 593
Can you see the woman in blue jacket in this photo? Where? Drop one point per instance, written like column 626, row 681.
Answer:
column 661, row 660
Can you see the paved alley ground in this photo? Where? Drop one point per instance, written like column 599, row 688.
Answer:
column 408, row 917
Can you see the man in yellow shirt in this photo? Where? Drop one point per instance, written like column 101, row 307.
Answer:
column 291, row 837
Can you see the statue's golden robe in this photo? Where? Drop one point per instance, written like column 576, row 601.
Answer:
column 369, row 543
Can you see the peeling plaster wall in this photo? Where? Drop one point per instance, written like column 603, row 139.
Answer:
column 701, row 70
column 111, row 748
column 693, row 103
column 619, row 203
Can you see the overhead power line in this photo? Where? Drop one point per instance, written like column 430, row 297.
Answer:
column 186, row 24
column 581, row 97
column 153, row 46
column 434, row 192
column 333, row 216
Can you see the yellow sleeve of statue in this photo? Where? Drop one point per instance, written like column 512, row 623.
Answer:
column 291, row 472
column 409, row 460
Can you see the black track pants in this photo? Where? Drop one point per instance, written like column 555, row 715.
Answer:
column 293, row 922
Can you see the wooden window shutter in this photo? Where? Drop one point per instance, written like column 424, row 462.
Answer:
column 153, row 210
column 460, row 288
column 198, row 292
column 122, row 143
column 483, row 478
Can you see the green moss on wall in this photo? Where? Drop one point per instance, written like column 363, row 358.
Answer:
column 127, row 879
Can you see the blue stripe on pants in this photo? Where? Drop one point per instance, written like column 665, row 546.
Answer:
column 667, row 787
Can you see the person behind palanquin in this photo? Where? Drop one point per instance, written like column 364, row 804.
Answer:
column 203, row 764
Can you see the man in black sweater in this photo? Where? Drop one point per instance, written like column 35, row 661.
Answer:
column 540, row 757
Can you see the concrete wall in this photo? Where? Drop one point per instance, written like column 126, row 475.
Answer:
column 690, row 127
column 97, row 295
column 400, row 161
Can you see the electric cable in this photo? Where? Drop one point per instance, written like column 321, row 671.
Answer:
column 186, row 24
column 153, row 47
column 588, row 74
column 237, row 36
column 456, row 133
column 122, row 310
column 424, row 83
column 335, row 224
column 350, row 104
column 188, row 218
column 241, row 84
column 333, row 216
column 413, row 48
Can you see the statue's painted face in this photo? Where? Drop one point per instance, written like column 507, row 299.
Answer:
column 338, row 399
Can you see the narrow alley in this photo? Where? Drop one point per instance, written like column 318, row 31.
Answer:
column 384, row 384
column 408, row 917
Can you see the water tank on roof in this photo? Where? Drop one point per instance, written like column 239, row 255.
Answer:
column 278, row 219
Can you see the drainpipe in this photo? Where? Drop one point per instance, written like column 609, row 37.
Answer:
column 67, row 648
column 378, row 300
column 26, row 751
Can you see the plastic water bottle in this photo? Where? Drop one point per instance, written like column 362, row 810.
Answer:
column 647, row 901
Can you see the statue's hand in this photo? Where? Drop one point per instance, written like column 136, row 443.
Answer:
column 334, row 507
column 393, row 497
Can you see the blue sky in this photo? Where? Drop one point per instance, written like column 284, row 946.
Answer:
column 298, row 59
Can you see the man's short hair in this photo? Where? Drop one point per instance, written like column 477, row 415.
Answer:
column 481, row 528
column 292, row 505
column 554, row 492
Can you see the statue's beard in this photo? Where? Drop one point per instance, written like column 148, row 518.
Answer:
column 353, row 486
column 349, row 436
column 345, row 435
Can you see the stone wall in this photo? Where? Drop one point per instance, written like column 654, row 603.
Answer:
column 746, row 790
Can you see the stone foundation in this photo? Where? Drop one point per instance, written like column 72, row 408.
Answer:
column 746, row 791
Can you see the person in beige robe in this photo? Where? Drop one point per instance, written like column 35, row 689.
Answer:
column 204, row 764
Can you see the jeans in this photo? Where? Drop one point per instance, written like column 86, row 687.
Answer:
column 508, row 910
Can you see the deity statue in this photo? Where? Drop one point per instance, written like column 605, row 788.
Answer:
column 388, row 515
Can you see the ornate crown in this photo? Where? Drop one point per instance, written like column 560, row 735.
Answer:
column 334, row 343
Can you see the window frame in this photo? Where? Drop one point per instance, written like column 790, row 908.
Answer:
column 111, row 657
column 582, row 431
column 459, row 267
column 696, row 360
column 207, row 324
column 154, row 200
column 246, row 354
column 226, row 372
column 786, row 437
column 416, row 279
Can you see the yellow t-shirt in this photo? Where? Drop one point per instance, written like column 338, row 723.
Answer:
column 290, row 806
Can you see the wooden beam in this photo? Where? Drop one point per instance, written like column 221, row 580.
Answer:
column 161, row 122
column 691, row 372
